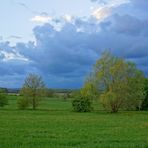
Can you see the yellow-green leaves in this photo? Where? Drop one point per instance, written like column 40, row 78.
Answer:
column 119, row 82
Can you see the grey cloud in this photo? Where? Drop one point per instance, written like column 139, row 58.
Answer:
column 129, row 25
column 140, row 4
column 65, row 57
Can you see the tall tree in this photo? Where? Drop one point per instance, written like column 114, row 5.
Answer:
column 119, row 82
column 33, row 89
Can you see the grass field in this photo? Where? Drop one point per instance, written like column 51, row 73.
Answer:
column 55, row 125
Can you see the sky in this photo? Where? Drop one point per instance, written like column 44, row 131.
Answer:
column 61, row 40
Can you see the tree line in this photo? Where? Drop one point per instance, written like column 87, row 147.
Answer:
column 115, row 82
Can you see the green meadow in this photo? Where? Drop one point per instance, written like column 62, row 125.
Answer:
column 55, row 125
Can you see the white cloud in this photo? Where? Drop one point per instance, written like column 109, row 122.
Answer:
column 41, row 19
column 105, row 9
column 12, row 56
column 68, row 18
column 101, row 13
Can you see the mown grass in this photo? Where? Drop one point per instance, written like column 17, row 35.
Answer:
column 55, row 125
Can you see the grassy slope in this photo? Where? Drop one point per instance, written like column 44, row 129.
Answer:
column 55, row 125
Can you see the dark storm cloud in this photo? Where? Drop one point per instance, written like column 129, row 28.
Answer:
column 65, row 57
column 66, row 54
column 130, row 25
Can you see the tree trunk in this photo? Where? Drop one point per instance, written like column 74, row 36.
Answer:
column 114, row 109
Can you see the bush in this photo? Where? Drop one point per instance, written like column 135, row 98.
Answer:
column 82, row 104
column 22, row 103
column 3, row 100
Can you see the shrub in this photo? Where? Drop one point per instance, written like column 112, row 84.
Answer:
column 82, row 104
column 3, row 100
column 22, row 103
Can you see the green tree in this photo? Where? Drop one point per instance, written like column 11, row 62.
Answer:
column 33, row 90
column 119, row 82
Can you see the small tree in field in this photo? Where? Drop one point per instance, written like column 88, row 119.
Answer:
column 33, row 90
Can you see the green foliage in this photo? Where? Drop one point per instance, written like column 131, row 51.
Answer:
column 23, row 103
column 135, row 94
column 33, row 90
column 120, row 82
column 89, row 90
column 82, row 103
column 110, row 101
